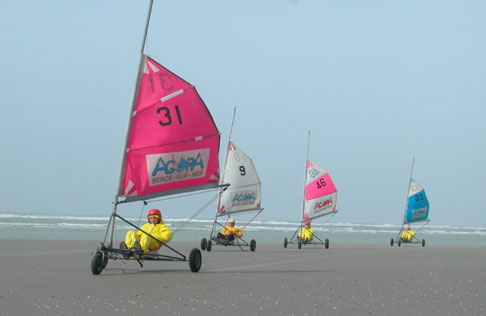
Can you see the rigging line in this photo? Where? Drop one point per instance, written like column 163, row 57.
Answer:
column 182, row 196
column 238, row 243
column 195, row 214
column 251, row 220
column 141, row 212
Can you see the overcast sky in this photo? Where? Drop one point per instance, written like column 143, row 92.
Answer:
column 376, row 83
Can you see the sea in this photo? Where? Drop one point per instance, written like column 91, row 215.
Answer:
column 21, row 225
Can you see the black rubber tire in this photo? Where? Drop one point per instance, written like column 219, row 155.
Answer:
column 204, row 243
column 285, row 242
column 423, row 242
column 209, row 246
column 299, row 243
column 105, row 261
column 97, row 263
column 326, row 243
column 391, row 242
column 252, row 245
column 195, row 260
column 399, row 243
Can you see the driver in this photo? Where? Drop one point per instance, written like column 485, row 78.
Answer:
column 408, row 234
column 306, row 233
column 138, row 240
column 229, row 232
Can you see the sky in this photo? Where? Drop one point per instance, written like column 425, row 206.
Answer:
column 375, row 82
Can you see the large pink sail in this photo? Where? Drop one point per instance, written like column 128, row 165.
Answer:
column 320, row 193
column 173, row 143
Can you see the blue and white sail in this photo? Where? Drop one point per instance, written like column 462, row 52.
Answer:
column 417, row 204
column 244, row 192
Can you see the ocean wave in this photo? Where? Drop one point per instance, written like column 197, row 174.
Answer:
column 55, row 217
column 89, row 222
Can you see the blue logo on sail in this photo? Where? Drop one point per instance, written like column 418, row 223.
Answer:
column 417, row 208
column 241, row 198
column 171, row 167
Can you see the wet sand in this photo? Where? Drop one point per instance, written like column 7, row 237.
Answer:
column 54, row 278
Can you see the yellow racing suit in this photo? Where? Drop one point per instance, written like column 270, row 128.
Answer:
column 160, row 231
column 231, row 229
column 306, row 233
column 407, row 235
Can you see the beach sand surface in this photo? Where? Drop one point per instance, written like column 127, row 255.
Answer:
column 54, row 278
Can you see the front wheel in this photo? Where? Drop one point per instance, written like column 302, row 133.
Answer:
column 399, row 242
column 285, row 242
column 105, row 261
column 299, row 243
column 252, row 245
column 326, row 243
column 204, row 243
column 97, row 263
column 423, row 242
column 391, row 242
column 195, row 260
column 210, row 246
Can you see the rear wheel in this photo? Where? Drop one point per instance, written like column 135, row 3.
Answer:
column 204, row 243
column 399, row 242
column 391, row 242
column 326, row 243
column 285, row 242
column 423, row 242
column 209, row 246
column 97, row 263
column 252, row 245
column 195, row 260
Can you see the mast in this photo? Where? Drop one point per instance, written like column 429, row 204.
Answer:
column 141, row 63
column 225, row 161
column 121, row 170
column 227, row 147
column 218, row 206
column 305, row 177
column 409, row 183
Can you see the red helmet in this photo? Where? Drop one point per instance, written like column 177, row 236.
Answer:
column 307, row 223
column 156, row 212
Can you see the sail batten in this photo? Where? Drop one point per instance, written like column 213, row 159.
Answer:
column 194, row 139
column 172, row 95
column 173, row 142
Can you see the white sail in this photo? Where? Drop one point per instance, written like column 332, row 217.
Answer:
column 244, row 192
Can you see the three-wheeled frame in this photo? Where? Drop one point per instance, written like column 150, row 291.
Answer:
column 399, row 240
column 105, row 252
column 416, row 211
column 295, row 239
column 207, row 244
column 308, row 209
column 245, row 180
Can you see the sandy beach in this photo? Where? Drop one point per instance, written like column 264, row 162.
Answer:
column 54, row 278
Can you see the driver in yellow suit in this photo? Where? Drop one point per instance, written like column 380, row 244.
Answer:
column 306, row 233
column 408, row 234
column 229, row 232
column 140, row 241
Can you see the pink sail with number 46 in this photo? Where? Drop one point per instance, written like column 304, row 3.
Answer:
column 173, row 142
column 320, row 193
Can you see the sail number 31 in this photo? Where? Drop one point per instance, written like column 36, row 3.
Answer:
column 167, row 115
